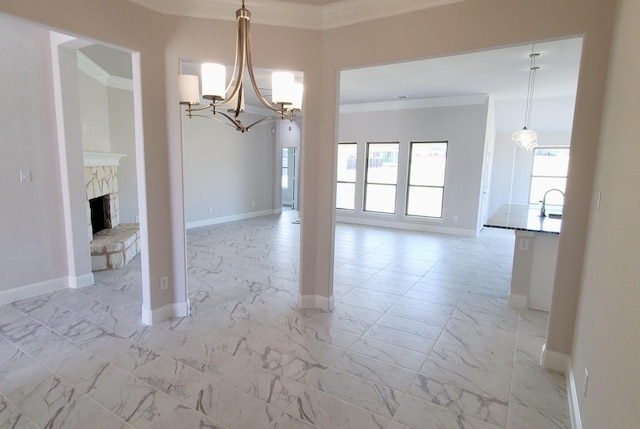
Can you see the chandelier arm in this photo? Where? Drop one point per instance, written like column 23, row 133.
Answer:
column 263, row 121
column 234, row 123
column 197, row 109
column 235, row 62
column 241, row 54
column 237, row 124
column 252, row 77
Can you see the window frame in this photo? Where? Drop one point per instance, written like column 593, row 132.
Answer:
column 532, row 176
column 409, row 185
column 366, row 178
column 338, row 182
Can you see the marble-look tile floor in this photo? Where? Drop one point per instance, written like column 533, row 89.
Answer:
column 421, row 337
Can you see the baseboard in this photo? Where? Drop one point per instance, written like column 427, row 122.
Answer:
column 157, row 315
column 81, row 281
column 518, row 301
column 316, row 301
column 561, row 362
column 572, row 393
column 407, row 226
column 233, row 218
column 34, row 289
column 554, row 361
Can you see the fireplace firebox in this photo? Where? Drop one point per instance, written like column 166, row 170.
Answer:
column 100, row 213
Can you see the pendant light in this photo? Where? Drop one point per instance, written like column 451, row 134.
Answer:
column 527, row 138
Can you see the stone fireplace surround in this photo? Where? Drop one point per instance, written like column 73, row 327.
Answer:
column 110, row 248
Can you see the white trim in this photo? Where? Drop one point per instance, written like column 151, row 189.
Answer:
column 157, row 315
column 572, row 393
column 232, row 218
column 117, row 82
column 102, row 159
column 81, row 281
column 316, row 301
column 88, row 66
column 407, row 226
column 422, row 103
column 347, row 12
column 518, row 301
column 554, row 361
column 287, row 14
column 34, row 289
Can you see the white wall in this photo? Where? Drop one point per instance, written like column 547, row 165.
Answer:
column 607, row 335
column 463, row 127
column 94, row 114
column 227, row 174
column 122, row 138
column 32, row 231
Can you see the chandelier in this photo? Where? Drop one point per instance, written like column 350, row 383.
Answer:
column 227, row 100
column 526, row 138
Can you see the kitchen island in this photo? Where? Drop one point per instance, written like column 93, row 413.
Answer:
column 534, row 255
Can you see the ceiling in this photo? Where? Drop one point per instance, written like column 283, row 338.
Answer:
column 307, row 14
column 313, row 2
column 501, row 72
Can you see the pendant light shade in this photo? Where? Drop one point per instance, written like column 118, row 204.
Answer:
column 282, row 88
column 298, row 89
column 213, row 81
column 527, row 139
column 188, row 88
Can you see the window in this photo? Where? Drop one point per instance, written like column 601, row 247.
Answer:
column 346, row 186
column 550, row 166
column 381, row 177
column 426, row 179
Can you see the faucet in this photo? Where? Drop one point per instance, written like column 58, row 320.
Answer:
column 543, row 209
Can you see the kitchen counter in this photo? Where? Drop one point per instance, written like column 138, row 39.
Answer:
column 523, row 217
column 534, row 256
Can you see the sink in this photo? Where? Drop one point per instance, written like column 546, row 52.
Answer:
column 555, row 215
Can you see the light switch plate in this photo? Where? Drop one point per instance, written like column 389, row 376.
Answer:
column 25, row 176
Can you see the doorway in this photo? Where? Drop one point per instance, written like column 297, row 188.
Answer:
column 289, row 178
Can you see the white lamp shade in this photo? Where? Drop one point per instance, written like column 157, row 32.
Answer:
column 188, row 87
column 282, row 87
column 527, row 139
column 213, row 81
column 298, row 89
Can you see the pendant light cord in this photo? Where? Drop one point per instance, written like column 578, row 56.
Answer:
column 532, row 81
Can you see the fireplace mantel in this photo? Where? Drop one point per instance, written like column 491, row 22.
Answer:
column 101, row 159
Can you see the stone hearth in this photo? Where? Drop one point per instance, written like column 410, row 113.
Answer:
column 115, row 247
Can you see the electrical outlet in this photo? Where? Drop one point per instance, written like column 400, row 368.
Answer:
column 524, row 244
column 164, row 283
column 455, row 218
column 585, row 383
column 598, row 200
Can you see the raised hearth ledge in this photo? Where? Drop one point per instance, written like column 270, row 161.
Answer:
column 100, row 159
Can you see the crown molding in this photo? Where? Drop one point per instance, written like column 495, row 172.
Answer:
column 383, row 106
column 294, row 15
column 98, row 73
column 347, row 12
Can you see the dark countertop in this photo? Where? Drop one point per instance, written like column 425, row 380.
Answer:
column 523, row 217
